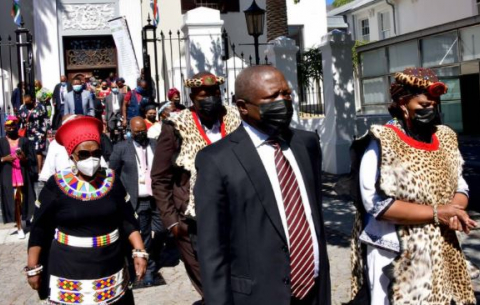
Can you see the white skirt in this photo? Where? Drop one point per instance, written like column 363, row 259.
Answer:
column 377, row 259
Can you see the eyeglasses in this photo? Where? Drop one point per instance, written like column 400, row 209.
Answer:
column 85, row 154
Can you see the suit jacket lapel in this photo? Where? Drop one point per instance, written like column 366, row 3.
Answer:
column 132, row 155
column 248, row 156
column 303, row 160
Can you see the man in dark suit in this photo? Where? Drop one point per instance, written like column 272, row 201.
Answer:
column 79, row 101
column 113, row 109
column 261, row 237
column 132, row 161
column 59, row 94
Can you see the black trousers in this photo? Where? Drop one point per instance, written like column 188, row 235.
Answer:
column 153, row 233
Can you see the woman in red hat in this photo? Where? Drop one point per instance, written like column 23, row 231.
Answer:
column 82, row 218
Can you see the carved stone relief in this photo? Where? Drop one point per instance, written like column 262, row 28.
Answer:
column 87, row 17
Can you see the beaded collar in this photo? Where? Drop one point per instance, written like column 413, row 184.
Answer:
column 85, row 191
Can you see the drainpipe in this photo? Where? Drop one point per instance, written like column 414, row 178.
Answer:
column 394, row 16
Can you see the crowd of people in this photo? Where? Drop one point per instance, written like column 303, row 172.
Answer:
column 234, row 188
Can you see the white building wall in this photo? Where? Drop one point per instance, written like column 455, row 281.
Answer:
column 372, row 13
column 415, row 15
column 313, row 16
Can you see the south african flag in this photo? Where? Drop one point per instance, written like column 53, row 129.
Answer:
column 16, row 12
column 156, row 13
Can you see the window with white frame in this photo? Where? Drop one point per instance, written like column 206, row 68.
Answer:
column 385, row 26
column 365, row 29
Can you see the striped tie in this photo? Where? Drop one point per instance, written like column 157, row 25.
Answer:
column 302, row 263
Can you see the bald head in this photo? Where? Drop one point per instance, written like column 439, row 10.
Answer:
column 137, row 124
column 251, row 78
column 262, row 93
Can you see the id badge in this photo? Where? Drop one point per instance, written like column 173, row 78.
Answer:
column 141, row 180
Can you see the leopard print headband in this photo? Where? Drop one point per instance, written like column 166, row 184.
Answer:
column 417, row 79
column 207, row 80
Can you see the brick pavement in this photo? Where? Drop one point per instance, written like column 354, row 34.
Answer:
column 338, row 214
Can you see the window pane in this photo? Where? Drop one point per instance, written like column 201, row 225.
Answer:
column 374, row 91
column 451, row 105
column 439, row 50
column 402, row 56
column 470, row 38
column 374, row 63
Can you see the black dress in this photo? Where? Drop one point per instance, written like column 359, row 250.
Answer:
column 80, row 209
column 29, row 174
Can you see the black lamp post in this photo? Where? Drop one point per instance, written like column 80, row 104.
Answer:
column 255, row 17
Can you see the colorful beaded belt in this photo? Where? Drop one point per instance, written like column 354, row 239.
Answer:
column 86, row 242
column 107, row 290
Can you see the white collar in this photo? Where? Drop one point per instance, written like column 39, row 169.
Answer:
column 256, row 135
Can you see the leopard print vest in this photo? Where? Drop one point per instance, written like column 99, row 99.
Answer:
column 431, row 266
column 193, row 142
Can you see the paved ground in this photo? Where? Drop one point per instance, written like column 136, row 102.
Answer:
column 338, row 213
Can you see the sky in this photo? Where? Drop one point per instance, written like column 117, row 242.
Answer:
column 329, row 1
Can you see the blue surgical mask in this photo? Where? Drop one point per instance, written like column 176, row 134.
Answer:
column 77, row 88
column 64, row 84
column 115, row 90
column 140, row 90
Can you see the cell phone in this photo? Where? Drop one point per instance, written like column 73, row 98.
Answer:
column 18, row 151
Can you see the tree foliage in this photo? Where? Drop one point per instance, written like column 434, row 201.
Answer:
column 310, row 67
column 338, row 3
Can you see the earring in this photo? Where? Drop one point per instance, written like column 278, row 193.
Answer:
column 74, row 170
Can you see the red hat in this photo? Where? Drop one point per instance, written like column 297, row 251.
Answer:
column 79, row 130
column 172, row 92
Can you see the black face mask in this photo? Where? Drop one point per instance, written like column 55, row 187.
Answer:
column 12, row 134
column 210, row 107
column 424, row 118
column 141, row 138
column 151, row 118
column 276, row 117
column 29, row 106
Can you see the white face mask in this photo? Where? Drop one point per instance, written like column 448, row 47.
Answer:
column 89, row 166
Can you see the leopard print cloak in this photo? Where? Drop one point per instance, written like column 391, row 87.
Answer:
column 430, row 268
column 193, row 142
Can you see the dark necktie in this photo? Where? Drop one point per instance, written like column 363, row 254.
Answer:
column 302, row 264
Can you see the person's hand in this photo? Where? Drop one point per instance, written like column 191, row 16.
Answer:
column 35, row 281
column 21, row 156
column 140, row 267
column 9, row 158
column 455, row 218
column 124, row 123
column 179, row 230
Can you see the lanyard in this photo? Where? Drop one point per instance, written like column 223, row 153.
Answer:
column 146, row 158
column 202, row 132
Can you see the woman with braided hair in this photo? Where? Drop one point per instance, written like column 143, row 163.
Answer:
column 412, row 200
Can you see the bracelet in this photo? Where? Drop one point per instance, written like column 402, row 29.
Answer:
column 33, row 271
column 140, row 253
column 435, row 215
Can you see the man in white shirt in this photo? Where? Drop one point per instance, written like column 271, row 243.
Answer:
column 261, row 237
column 132, row 161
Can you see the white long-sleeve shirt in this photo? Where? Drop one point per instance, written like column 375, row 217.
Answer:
column 377, row 232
